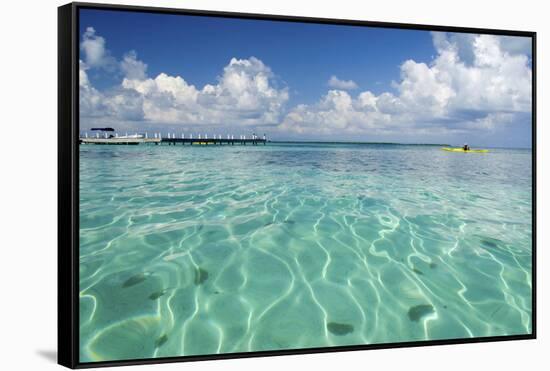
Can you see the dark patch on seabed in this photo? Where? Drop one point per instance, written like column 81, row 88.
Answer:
column 420, row 311
column 136, row 279
column 201, row 275
column 490, row 244
column 339, row 329
column 161, row 340
column 157, row 294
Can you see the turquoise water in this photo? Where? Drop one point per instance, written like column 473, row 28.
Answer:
column 189, row 250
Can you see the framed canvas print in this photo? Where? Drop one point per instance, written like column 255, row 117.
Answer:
column 236, row 185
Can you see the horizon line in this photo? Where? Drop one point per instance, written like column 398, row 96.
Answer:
column 387, row 143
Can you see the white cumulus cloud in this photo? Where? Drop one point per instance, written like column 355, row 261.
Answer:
column 476, row 82
column 245, row 94
column 132, row 67
column 94, row 50
column 102, row 107
column 336, row 83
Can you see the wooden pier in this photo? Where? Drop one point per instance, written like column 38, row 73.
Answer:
column 171, row 139
column 212, row 141
column 119, row 141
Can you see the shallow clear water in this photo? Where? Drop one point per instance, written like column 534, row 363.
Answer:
column 199, row 250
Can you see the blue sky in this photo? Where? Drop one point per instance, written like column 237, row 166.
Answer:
column 146, row 71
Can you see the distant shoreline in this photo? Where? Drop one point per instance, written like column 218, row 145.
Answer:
column 387, row 143
column 320, row 142
column 342, row 142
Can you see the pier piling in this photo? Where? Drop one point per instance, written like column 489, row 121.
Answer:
column 172, row 139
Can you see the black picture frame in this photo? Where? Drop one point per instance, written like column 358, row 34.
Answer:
column 68, row 182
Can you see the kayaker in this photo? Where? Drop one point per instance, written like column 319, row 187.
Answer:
column 466, row 147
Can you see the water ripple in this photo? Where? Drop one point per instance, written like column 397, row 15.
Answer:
column 192, row 250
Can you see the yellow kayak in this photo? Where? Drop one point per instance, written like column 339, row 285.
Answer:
column 462, row 150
